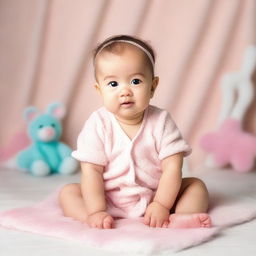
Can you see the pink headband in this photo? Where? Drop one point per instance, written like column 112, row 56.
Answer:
column 133, row 43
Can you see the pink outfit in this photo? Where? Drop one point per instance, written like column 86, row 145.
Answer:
column 132, row 167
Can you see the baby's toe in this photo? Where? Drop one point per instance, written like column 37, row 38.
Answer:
column 205, row 220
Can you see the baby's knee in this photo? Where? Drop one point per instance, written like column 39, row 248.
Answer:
column 198, row 182
column 199, row 186
column 70, row 189
column 195, row 184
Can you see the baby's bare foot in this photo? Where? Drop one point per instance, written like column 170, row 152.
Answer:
column 195, row 220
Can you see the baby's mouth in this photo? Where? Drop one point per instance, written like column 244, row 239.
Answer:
column 127, row 104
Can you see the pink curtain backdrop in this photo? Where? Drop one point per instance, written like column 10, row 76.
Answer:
column 45, row 49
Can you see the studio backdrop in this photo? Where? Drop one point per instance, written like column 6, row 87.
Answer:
column 46, row 49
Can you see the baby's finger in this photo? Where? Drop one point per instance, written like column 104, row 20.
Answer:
column 107, row 222
column 99, row 223
column 165, row 224
column 152, row 222
column 159, row 223
column 93, row 225
column 146, row 219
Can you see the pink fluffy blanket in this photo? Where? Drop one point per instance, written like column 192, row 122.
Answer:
column 46, row 218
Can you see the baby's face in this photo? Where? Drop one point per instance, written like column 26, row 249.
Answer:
column 125, row 83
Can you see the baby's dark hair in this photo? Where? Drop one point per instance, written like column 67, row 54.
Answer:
column 115, row 44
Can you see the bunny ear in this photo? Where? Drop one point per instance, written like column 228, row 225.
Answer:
column 57, row 110
column 30, row 113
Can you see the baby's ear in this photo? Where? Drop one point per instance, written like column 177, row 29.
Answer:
column 57, row 110
column 97, row 87
column 30, row 113
column 154, row 85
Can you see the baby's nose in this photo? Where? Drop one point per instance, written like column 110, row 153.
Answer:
column 126, row 91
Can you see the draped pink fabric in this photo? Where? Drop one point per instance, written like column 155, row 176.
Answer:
column 46, row 48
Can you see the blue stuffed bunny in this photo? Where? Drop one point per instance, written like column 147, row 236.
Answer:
column 47, row 154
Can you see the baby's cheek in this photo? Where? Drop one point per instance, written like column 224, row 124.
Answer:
column 110, row 103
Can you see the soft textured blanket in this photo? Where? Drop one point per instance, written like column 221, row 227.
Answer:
column 132, row 236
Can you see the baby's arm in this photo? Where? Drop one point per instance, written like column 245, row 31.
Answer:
column 93, row 192
column 158, row 212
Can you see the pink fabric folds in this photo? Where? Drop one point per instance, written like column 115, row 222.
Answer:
column 46, row 56
column 129, row 235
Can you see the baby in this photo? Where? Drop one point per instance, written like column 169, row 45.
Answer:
column 131, row 152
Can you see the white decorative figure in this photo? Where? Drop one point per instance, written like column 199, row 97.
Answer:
column 238, row 94
column 237, row 88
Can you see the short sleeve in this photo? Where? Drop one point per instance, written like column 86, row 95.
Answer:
column 172, row 141
column 90, row 142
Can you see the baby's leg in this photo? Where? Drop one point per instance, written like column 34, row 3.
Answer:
column 191, row 205
column 72, row 204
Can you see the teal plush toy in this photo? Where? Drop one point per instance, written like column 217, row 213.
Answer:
column 46, row 154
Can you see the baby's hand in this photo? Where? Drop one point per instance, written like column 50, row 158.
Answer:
column 100, row 220
column 156, row 216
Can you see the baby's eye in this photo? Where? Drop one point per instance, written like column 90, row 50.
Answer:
column 136, row 81
column 40, row 126
column 53, row 125
column 113, row 84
